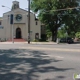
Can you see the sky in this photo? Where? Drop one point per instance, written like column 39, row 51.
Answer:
column 8, row 3
column 23, row 4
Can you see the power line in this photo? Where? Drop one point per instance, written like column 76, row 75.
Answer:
column 63, row 9
column 47, row 12
column 66, row 9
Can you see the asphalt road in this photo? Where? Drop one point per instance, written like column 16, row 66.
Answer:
column 39, row 62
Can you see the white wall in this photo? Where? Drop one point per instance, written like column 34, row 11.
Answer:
column 35, row 28
column 23, row 24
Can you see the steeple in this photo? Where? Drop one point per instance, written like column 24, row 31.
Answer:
column 15, row 5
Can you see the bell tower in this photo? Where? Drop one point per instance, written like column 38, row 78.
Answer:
column 15, row 5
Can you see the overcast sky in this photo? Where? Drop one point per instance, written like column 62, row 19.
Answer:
column 8, row 3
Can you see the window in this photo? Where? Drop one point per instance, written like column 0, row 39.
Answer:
column 36, row 23
column 0, row 23
column 36, row 35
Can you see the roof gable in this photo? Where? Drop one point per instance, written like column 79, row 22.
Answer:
column 16, row 10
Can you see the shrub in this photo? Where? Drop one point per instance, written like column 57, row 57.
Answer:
column 35, row 40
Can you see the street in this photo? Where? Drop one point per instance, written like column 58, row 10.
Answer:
column 39, row 61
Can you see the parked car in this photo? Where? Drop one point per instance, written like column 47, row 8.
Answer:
column 70, row 40
column 66, row 40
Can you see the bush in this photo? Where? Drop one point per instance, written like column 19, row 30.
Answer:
column 42, row 40
column 35, row 40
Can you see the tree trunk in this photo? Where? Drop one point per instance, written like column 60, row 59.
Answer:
column 54, row 35
column 68, row 33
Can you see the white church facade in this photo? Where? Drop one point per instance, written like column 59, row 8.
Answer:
column 20, row 26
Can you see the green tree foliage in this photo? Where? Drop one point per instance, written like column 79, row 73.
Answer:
column 51, row 15
column 61, row 33
column 77, row 35
column 48, row 33
column 72, row 22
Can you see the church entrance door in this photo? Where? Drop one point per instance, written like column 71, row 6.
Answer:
column 18, row 33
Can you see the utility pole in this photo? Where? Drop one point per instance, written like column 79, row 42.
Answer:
column 28, row 21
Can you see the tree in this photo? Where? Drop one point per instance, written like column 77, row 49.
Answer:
column 72, row 22
column 77, row 35
column 48, row 33
column 50, row 15
column 61, row 33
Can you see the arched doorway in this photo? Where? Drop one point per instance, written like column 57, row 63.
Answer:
column 18, row 33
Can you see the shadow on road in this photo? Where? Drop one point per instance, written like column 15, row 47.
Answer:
column 21, row 64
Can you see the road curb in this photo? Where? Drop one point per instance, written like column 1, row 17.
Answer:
column 27, row 43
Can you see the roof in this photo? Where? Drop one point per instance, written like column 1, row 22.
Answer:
column 36, row 19
column 15, row 9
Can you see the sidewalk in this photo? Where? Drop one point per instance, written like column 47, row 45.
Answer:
column 27, row 43
column 42, row 43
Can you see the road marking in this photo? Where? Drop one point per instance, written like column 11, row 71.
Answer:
column 51, row 49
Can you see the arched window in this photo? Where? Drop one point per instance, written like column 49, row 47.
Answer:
column 36, row 23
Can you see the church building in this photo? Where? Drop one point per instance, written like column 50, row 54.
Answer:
column 20, row 24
